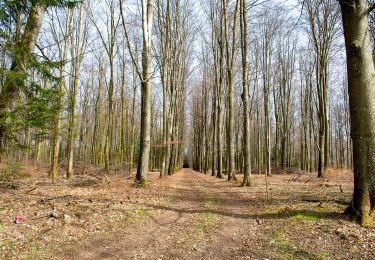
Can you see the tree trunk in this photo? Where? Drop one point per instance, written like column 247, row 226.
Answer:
column 230, row 56
column 56, row 119
column 245, row 97
column 361, row 88
column 73, row 96
column 144, row 152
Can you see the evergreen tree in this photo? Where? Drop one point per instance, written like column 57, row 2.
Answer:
column 25, row 98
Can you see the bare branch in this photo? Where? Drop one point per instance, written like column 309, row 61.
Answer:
column 128, row 43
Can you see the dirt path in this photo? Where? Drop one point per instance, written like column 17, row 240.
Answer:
column 198, row 220
column 186, row 216
column 207, row 218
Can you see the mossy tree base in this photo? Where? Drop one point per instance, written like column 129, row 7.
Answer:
column 363, row 212
column 246, row 181
column 141, row 181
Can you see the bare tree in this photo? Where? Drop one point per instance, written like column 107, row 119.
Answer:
column 323, row 18
column 108, row 42
column 78, row 48
column 55, row 136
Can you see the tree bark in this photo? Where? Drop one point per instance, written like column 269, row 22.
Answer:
column 144, row 154
column 230, row 57
column 361, row 88
column 245, row 96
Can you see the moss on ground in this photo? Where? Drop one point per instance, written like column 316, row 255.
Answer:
column 208, row 221
column 281, row 247
column 305, row 216
column 294, row 214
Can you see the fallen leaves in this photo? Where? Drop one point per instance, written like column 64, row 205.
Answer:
column 188, row 215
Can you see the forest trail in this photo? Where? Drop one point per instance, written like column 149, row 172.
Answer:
column 185, row 216
column 201, row 219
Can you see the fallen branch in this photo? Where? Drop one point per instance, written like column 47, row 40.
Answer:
column 31, row 190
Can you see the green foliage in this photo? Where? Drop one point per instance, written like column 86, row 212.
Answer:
column 39, row 95
column 9, row 8
column 40, row 107
column 35, row 109
column 13, row 170
column 58, row 3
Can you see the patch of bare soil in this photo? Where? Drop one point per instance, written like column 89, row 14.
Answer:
column 185, row 216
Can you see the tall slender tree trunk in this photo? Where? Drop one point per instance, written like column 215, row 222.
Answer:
column 165, row 128
column 108, row 137
column 165, row 45
column 213, row 152
column 55, row 138
column 230, row 56
column 206, row 132
column 218, row 97
column 122, row 116
column 266, row 90
column 73, row 96
column 144, row 154
column 97, row 124
column 245, row 96
column 132, row 141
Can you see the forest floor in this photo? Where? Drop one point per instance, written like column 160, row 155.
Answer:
column 186, row 216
